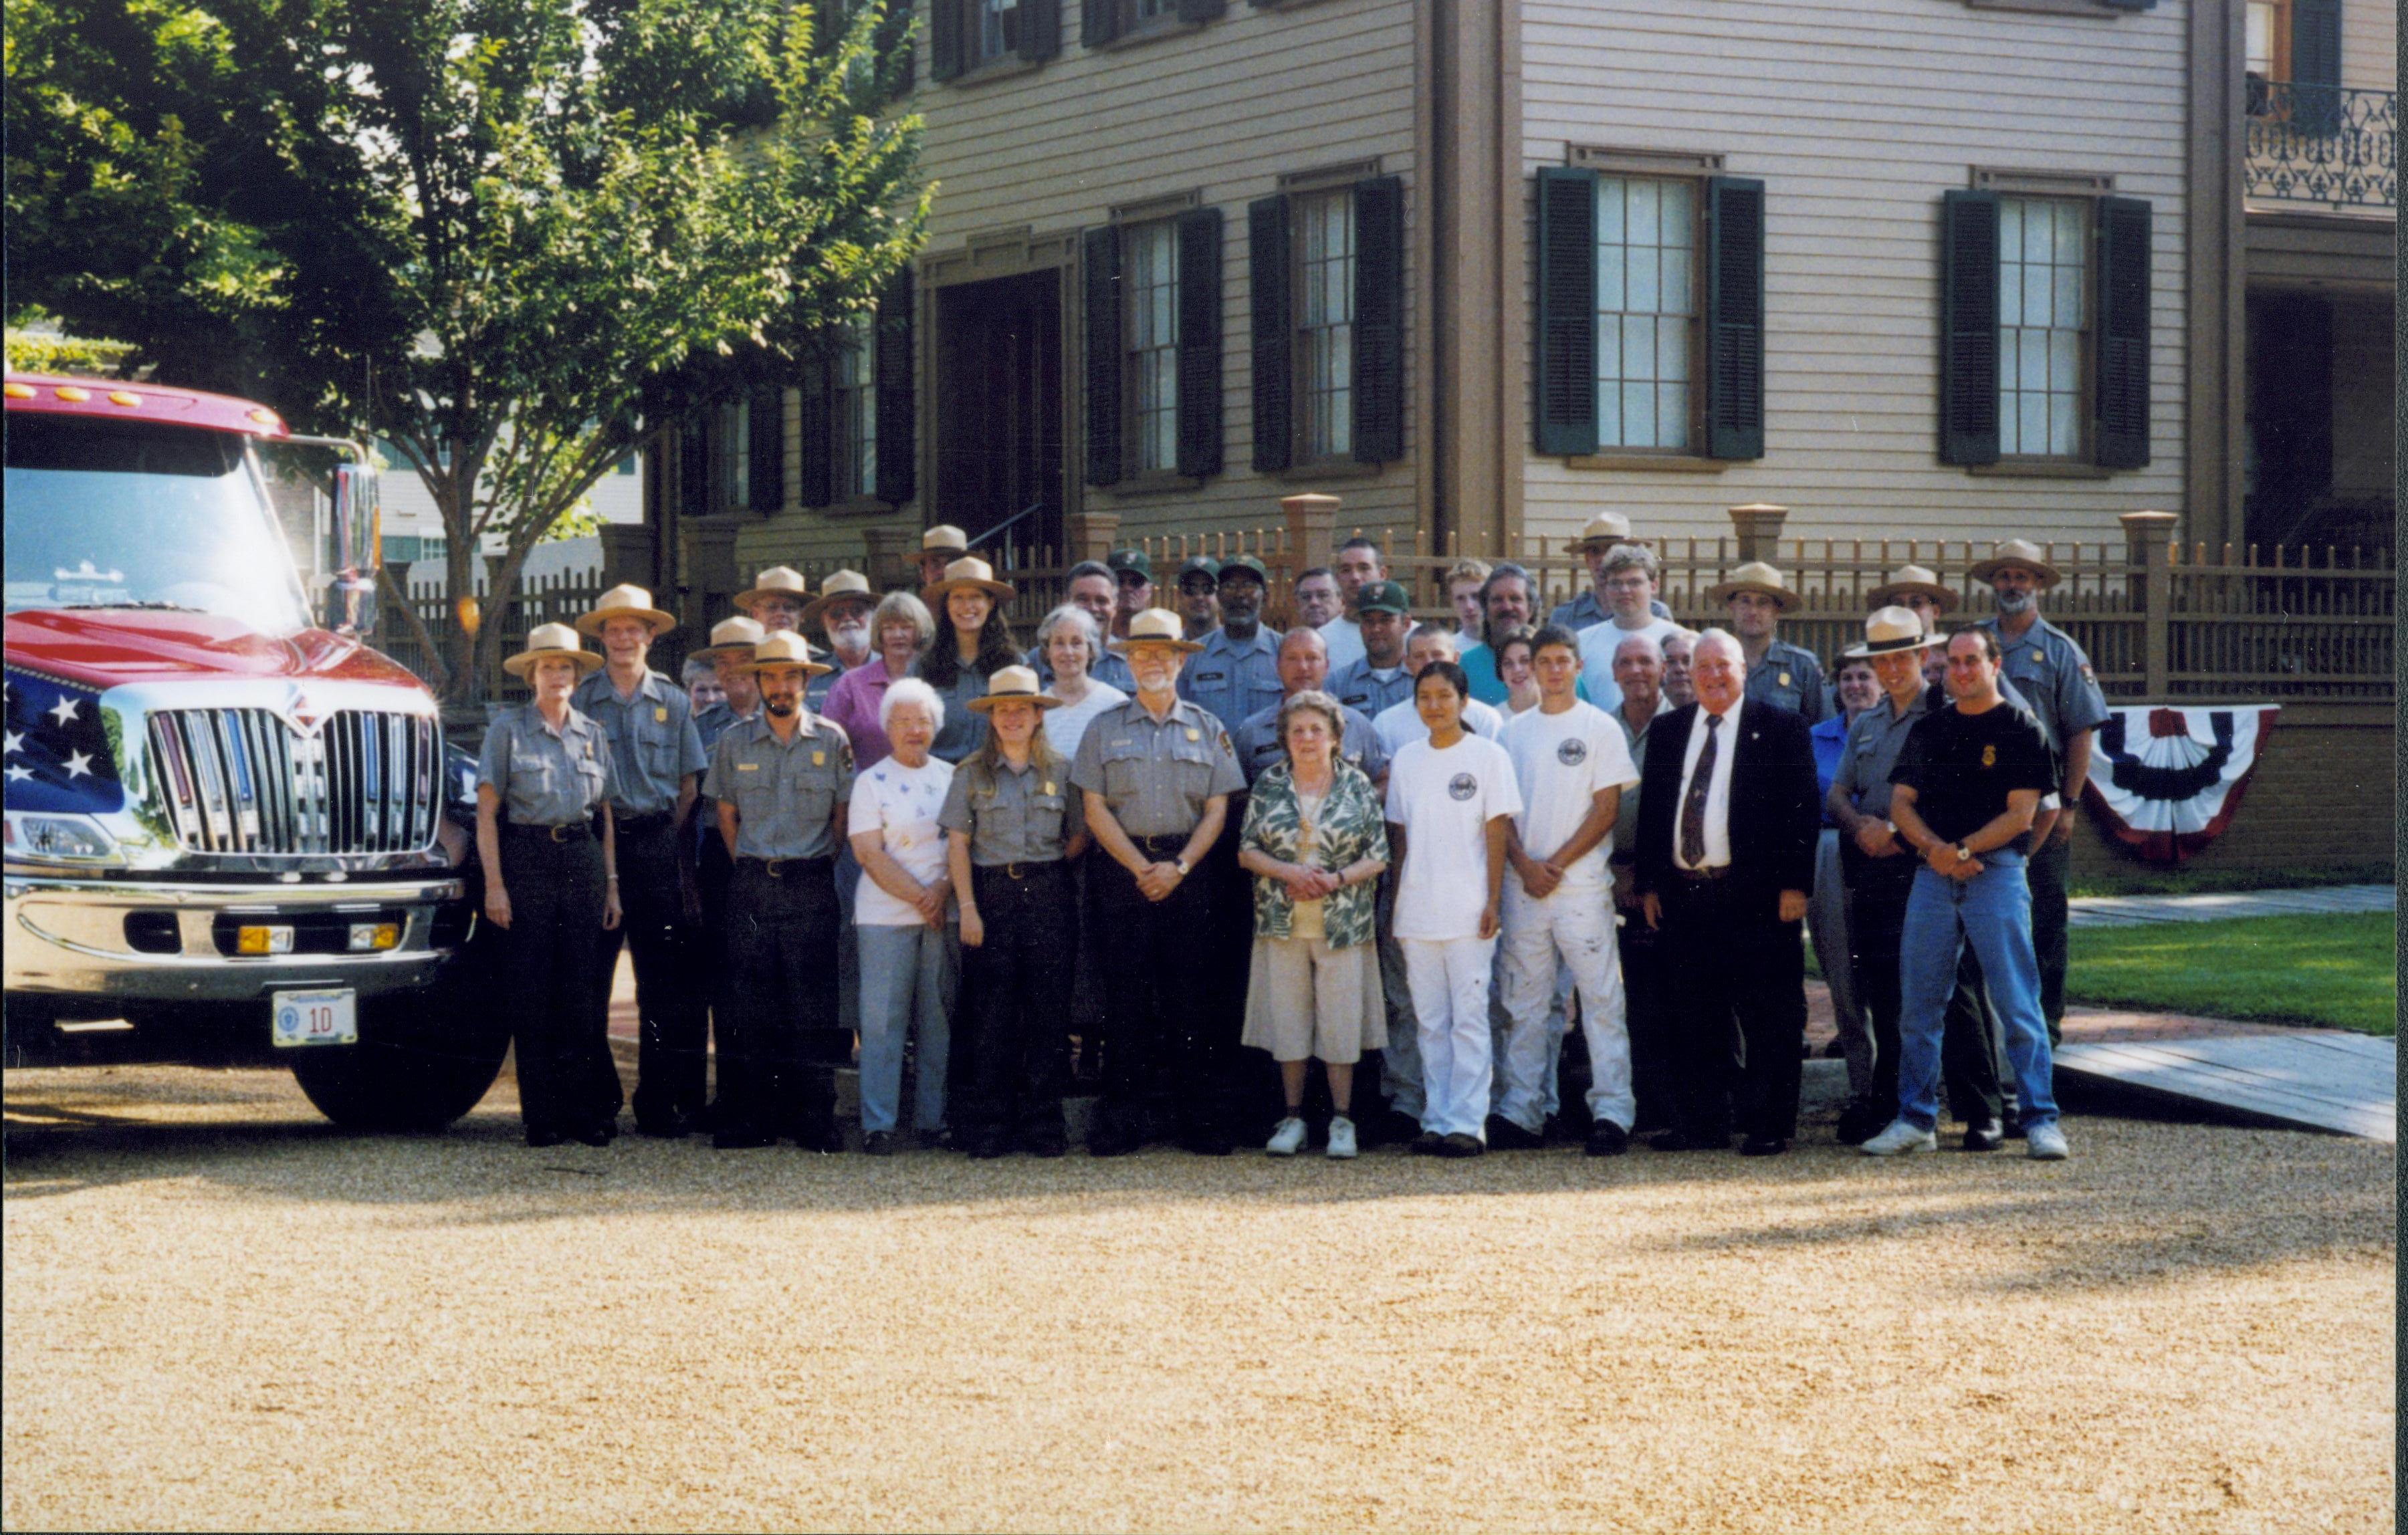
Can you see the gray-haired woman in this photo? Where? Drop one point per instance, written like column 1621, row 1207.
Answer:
column 901, row 916
column 1316, row 842
column 1072, row 645
column 901, row 630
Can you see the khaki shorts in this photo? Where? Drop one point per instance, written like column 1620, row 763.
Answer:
column 1306, row 1000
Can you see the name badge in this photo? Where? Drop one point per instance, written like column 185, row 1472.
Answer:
column 660, row 715
column 747, row 766
column 1049, row 788
column 1784, row 678
column 818, row 759
column 1194, row 734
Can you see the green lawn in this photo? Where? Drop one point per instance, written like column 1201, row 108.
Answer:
column 2142, row 880
column 2338, row 971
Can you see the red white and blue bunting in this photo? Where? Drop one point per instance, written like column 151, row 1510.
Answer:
column 2167, row 782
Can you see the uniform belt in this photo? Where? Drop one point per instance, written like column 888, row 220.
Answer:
column 568, row 831
column 1019, row 871
column 1174, row 846
column 637, row 825
column 778, row 869
column 1702, row 876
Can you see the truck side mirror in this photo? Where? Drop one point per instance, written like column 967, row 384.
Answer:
column 357, row 537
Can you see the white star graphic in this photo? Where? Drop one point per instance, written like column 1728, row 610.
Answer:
column 64, row 711
column 79, row 765
column 19, row 775
column 16, row 742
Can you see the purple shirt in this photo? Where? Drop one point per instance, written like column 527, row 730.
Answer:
column 852, row 703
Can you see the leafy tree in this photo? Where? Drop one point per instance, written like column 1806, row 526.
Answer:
column 514, row 237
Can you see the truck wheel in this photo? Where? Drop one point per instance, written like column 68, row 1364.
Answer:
column 418, row 1072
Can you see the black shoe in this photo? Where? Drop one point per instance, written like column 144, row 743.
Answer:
column 1504, row 1135
column 1763, row 1145
column 988, row 1151
column 1458, row 1144
column 1398, row 1130
column 1987, row 1135
column 878, row 1143
column 827, row 1138
column 596, row 1135
column 2015, row 1128
column 667, row 1126
column 740, row 1141
column 1682, row 1140
column 1860, row 1121
column 1111, row 1142
column 1607, row 1139
column 938, row 1140
column 1206, row 1143
column 1045, row 1145
column 1427, row 1143
column 541, row 1139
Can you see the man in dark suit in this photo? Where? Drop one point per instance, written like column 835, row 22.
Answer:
column 1727, row 822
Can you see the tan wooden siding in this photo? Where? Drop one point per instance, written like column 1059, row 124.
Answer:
column 2370, row 31
column 1224, row 110
column 1858, row 116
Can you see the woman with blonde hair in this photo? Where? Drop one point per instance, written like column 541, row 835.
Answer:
column 899, row 631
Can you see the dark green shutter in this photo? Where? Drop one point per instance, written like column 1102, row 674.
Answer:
column 1199, row 343
column 1266, row 277
column 1040, row 29
column 1197, row 12
column 896, row 48
column 694, row 466
column 2121, row 437
column 1099, row 22
column 1734, row 317
column 2316, row 66
column 945, row 60
column 765, row 440
column 1100, row 264
column 1969, row 327
column 1566, row 249
column 1379, row 364
column 897, row 414
column 815, row 484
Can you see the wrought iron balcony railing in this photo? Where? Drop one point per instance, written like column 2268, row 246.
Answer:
column 2322, row 144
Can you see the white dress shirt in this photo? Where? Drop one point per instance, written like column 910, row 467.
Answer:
column 1344, row 637
column 1719, row 851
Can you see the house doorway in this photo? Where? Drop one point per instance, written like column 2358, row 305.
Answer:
column 998, row 426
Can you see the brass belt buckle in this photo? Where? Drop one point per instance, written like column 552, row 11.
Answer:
column 774, row 867
column 559, row 834
column 1016, row 871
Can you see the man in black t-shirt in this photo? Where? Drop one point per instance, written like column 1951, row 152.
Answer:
column 1963, row 795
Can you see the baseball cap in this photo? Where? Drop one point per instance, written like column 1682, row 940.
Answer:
column 1247, row 563
column 1130, row 559
column 1199, row 565
column 1383, row 597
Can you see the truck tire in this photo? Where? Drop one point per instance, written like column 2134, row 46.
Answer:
column 425, row 1067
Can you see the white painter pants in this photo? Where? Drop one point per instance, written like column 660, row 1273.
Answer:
column 1450, row 985
column 1575, row 925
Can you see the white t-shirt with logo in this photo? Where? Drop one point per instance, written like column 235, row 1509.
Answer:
column 1561, row 762
column 1401, row 722
column 1598, row 644
column 1444, row 801
column 902, row 804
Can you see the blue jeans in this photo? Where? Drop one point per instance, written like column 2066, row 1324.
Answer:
column 908, row 976
column 1992, row 912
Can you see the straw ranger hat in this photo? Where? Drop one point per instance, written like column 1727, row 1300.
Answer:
column 625, row 602
column 944, row 538
column 785, row 650
column 841, row 586
column 1158, row 627
column 779, row 580
column 2019, row 552
column 1889, row 629
column 1010, row 684
column 1604, row 530
column 730, row 637
column 1912, row 578
column 1757, row 576
column 546, row 641
column 968, row 571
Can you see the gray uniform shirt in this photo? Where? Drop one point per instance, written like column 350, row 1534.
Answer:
column 1258, row 747
column 546, row 777
column 1156, row 776
column 785, row 795
column 964, row 728
column 1874, row 742
column 2055, row 678
column 1230, row 678
column 1791, row 678
column 653, row 742
column 1023, row 817
column 1357, row 686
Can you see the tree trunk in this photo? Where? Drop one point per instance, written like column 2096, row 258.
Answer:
column 465, row 682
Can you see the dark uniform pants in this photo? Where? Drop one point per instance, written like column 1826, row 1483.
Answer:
column 669, row 1002
column 1731, row 964
column 2049, row 871
column 1164, row 1063
column 1647, row 1008
column 713, row 870
column 1009, row 1064
column 566, row 1083
column 775, row 1072
column 1877, row 893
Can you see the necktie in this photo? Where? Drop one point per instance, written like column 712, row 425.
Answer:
column 1693, row 804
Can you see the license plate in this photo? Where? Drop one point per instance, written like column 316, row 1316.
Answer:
column 316, row 1017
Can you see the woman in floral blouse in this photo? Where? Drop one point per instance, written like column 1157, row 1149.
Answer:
column 1315, row 842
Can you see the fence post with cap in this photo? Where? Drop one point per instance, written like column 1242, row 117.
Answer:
column 2148, row 537
column 1758, row 527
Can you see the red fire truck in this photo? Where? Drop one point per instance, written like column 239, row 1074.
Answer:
column 234, row 830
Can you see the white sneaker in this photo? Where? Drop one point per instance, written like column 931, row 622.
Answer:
column 1341, row 1136
column 1900, row 1139
column 1288, row 1138
column 2045, row 1142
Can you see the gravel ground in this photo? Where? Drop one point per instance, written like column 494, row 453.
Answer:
column 220, row 1313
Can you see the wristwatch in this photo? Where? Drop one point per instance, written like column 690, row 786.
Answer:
column 1180, row 865
column 1964, row 853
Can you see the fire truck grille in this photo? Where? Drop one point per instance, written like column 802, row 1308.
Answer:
column 242, row 780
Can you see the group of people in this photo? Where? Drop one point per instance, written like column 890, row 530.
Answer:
column 1185, row 854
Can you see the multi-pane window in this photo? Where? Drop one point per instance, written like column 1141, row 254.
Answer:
column 1325, row 325
column 1150, row 277
column 1136, row 13
column 998, row 30
column 2043, row 315
column 730, row 449
column 855, row 377
column 1646, row 310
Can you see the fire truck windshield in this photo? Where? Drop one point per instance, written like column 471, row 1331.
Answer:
column 114, row 514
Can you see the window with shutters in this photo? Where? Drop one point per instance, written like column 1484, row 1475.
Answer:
column 2043, row 325
column 854, row 411
column 1647, row 230
column 1149, row 339
column 1325, row 325
column 730, row 457
column 997, row 35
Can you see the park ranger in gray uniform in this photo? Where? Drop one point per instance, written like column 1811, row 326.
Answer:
column 2055, row 680
column 1364, row 684
column 781, row 781
column 1235, row 672
column 1778, row 673
column 1156, row 774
